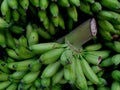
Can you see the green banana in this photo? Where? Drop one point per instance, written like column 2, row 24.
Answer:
column 9, row 40
column 90, row 1
column 103, row 82
column 85, row 7
column 50, row 70
column 115, row 85
column 70, row 24
column 3, row 67
column 116, row 46
column 32, row 88
column 93, row 47
column 21, row 11
column 75, row 2
column 81, row 81
column 24, row 4
column 89, row 83
column 61, row 22
column 21, row 65
column 12, row 4
column 43, row 4
column 87, row 70
column 110, row 4
column 91, row 58
column 46, row 23
column 3, row 23
column 117, row 26
column 15, row 15
column 33, row 38
column 56, row 87
column 103, row 88
column 55, row 21
column 30, row 77
column 96, row 7
column 22, row 41
column 62, row 81
column 16, row 29
column 17, row 75
column 116, row 75
column 54, row 10
column 57, row 77
column 42, row 15
column 45, row 82
column 4, row 85
column 12, row 86
column 22, row 86
column 69, row 71
column 2, row 39
column 3, row 76
column 4, row 7
column 115, row 59
column 51, row 56
column 44, row 34
column 96, row 69
column 64, row 3
column 9, row 59
column 52, row 29
column 11, row 53
column 106, row 62
column 72, row 13
column 8, row 17
column 35, row 3
column 91, row 87
column 106, row 25
column 29, row 29
column 100, row 74
column 37, row 83
column 24, row 53
column 44, row 47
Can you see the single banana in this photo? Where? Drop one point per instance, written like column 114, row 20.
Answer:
column 57, row 77
column 115, row 85
column 50, row 70
column 8, row 17
column 4, row 7
column 3, row 76
column 24, row 4
column 3, row 23
column 87, row 70
column 37, row 83
column 3, row 67
column 46, row 23
column 96, row 69
column 35, row 3
column 12, row 86
column 2, row 39
column 23, row 41
column 64, row 3
column 17, row 75
column 55, row 21
column 115, row 59
column 93, row 47
column 61, row 22
column 75, row 2
column 51, row 56
column 106, row 62
column 43, row 4
column 54, row 10
column 52, row 30
column 100, row 74
column 70, row 24
column 17, row 29
column 116, row 75
column 96, row 7
column 12, row 4
column 29, row 29
column 4, row 84
column 103, row 82
column 15, row 15
column 116, row 46
column 72, row 13
column 45, row 82
column 30, row 77
column 42, row 15
column 44, row 47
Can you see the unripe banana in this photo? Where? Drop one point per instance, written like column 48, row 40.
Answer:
column 45, row 82
column 117, row 26
column 116, row 46
column 56, row 87
column 115, row 85
column 17, row 75
column 96, row 7
column 89, row 83
column 3, row 76
column 100, row 74
column 90, row 1
column 22, row 41
column 116, row 59
column 37, row 83
column 93, row 47
column 63, row 3
column 72, row 12
column 21, row 65
column 81, row 81
column 30, row 77
column 16, row 29
column 43, row 4
column 85, row 7
column 61, row 22
column 96, row 69
column 55, row 21
column 52, row 29
column 15, row 15
column 50, row 70
column 12, row 4
column 44, row 34
column 35, row 3
column 106, row 62
column 9, row 59
column 116, row 75
column 111, row 4
column 4, row 7
column 91, row 87
column 57, row 77
column 4, row 85
column 24, row 4
column 32, row 88
column 103, row 88
column 46, row 23
column 29, row 29
column 2, row 39
column 51, row 56
column 44, row 47
column 3, row 23
column 33, row 38
column 106, row 25
column 87, row 70
column 54, row 10
column 3, row 67
column 22, row 86
column 70, row 24
column 21, row 11
column 8, row 17
column 13, row 86
column 75, row 2
column 103, row 82
column 62, row 81
column 42, row 15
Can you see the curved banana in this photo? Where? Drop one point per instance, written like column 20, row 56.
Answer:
column 4, row 84
column 115, row 59
column 43, row 4
column 4, row 7
column 96, row 7
column 61, row 22
column 115, row 85
column 17, row 29
column 46, row 23
column 106, row 62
